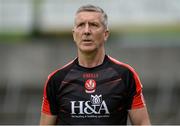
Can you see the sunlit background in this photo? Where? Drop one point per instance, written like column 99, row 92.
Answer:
column 35, row 39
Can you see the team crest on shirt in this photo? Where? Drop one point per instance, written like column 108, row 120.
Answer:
column 90, row 86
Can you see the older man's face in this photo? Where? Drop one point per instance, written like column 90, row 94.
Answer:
column 89, row 32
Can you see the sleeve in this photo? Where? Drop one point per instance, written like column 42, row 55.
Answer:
column 49, row 103
column 135, row 95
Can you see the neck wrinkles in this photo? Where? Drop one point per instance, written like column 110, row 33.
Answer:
column 91, row 60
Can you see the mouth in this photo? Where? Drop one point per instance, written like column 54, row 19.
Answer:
column 87, row 41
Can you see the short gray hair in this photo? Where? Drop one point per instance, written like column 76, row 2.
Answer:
column 92, row 8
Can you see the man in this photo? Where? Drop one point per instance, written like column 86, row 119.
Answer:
column 94, row 88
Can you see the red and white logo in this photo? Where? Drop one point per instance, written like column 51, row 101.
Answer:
column 90, row 86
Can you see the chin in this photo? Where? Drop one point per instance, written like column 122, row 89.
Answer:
column 88, row 50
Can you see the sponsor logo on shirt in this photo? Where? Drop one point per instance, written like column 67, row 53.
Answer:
column 94, row 108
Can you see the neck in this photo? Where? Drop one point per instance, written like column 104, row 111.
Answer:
column 90, row 60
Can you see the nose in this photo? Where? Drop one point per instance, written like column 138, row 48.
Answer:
column 87, row 29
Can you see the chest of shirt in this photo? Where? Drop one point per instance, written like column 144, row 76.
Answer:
column 92, row 93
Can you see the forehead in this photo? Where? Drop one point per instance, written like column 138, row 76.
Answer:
column 88, row 16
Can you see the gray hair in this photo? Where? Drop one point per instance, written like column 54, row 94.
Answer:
column 92, row 8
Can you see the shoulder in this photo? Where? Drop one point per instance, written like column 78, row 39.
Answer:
column 122, row 65
column 59, row 73
column 55, row 77
column 128, row 69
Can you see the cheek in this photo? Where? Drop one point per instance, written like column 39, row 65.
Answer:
column 76, row 37
column 100, row 36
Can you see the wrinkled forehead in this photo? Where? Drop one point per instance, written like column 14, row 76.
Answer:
column 88, row 16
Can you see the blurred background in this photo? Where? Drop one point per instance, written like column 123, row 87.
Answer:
column 35, row 39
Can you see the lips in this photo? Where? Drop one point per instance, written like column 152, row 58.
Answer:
column 87, row 40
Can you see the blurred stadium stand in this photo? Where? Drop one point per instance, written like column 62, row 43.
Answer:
column 35, row 39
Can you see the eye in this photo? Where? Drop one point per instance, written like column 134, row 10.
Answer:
column 94, row 24
column 80, row 25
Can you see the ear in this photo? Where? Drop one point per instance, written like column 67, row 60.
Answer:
column 73, row 34
column 106, row 35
